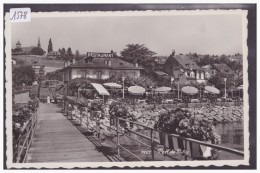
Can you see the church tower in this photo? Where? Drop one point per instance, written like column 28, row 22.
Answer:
column 18, row 45
column 39, row 43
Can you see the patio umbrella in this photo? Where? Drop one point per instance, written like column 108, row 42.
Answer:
column 136, row 90
column 162, row 89
column 112, row 85
column 190, row 90
column 212, row 90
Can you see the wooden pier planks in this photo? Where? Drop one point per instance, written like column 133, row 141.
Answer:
column 56, row 139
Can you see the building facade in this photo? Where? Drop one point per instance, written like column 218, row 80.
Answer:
column 99, row 66
column 183, row 69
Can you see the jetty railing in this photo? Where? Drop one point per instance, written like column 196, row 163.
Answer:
column 22, row 144
column 92, row 119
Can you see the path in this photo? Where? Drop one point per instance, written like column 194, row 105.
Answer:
column 56, row 139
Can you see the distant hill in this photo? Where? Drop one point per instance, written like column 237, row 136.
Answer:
column 41, row 60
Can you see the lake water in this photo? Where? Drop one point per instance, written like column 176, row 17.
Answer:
column 232, row 134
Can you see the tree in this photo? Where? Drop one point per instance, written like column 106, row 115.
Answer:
column 55, row 75
column 218, row 81
column 69, row 54
column 63, row 53
column 77, row 55
column 137, row 53
column 37, row 51
column 50, row 49
column 23, row 75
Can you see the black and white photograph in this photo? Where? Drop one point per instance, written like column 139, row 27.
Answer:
column 126, row 88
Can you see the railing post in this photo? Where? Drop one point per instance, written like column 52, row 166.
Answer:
column 18, row 152
column 186, row 149
column 80, row 116
column 98, row 123
column 88, row 114
column 164, row 147
column 117, row 130
column 152, row 145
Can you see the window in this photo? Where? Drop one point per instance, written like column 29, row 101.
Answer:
column 192, row 74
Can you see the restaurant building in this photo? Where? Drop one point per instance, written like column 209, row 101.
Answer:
column 99, row 66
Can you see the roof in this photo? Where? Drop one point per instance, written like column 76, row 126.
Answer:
column 186, row 62
column 206, row 66
column 54, row 53
column 18, row 43
column 116, row 63
column 27, row 49
column 223, row 68
column 21, row 91
column 47, row 63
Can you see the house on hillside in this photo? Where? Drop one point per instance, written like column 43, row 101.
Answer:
column 183, row 69
column 53, row 55
column 159, row 62
column 38, row 68
column 99, row 66
column 47, row 65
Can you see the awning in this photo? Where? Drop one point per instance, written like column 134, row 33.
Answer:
column 212, row 90
column 190, row 90
column 162, row 89
column 112, row 85
column 136, row 90
column 100, row 89
column 240, row 87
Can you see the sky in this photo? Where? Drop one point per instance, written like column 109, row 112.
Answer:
column 203, row 34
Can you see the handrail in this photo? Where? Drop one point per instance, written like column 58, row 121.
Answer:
column 22, row 149
column 151, row 137
column 234, row 151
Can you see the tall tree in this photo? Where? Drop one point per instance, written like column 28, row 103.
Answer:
column 137, row 53
column 50, row 49
column 77, row 55
column 69, row 54
column 63, row 51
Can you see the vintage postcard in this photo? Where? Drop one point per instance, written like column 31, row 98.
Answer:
column 126, row 88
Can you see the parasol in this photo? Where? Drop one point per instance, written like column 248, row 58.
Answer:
column 190, row 90
column 162, row 89
column 112, row 85
column 136, row 90
column 212, row 90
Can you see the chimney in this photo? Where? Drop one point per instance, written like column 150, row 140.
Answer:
column 109, row 62
column 73, row 60
column 136, row 64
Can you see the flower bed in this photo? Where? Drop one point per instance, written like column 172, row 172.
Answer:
column 21, row 116
column 181, row 122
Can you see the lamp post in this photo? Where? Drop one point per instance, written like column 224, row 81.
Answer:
column 123, row 79
column 225, row 80
column 172, row 80
column 178, row 82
